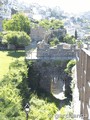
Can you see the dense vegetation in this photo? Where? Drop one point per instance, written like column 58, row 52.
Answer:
column 51, row 24
column 19, row 22
column 15, row 89
column 15, row 93
column 66, row 113
column 7, row 57
column 69, row 80
column 16, row 38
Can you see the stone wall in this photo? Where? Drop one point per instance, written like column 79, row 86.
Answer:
column 61, row 50
column 47, row 72
column 37, row 33
column 83, row 82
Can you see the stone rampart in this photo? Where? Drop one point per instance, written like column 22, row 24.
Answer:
column 61, row 50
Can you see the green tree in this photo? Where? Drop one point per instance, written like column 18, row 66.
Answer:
column 54, row 41
column 51, row 24
column 10, row 94
column 16, row 38
column 76, row 34
column 19, row 22
column 69, row 39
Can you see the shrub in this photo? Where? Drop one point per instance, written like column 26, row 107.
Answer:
column 41, row 109
column 66, row 113
column 69, row 39
column 70, row 64
column 54, row 42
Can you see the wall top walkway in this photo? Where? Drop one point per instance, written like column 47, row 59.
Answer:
column 45, row 52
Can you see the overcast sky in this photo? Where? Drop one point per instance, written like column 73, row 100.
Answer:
column 74, row 6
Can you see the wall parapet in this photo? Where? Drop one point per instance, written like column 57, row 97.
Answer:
column 61, row 50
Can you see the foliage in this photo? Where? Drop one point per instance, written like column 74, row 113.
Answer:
column 66, row 113
column 51, row 24
column 68, row 81
column 16, row 38
column 69, row 39
column 41, row 109
column 11, row 104
column 33, row 76
column 79, row 44
column 1, row 35
column 11, row 101
column 6, row 57
column 70, row 64
column 54, row 42
column 19, row 22
column 14, row 94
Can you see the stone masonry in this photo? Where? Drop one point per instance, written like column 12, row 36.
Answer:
column 37, row 33
column 61, row 51
column 83, row 82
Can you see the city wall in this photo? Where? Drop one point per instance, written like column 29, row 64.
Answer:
column 61, row 51
column 83, row 82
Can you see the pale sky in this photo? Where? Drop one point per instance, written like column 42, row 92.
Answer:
column 74, row 6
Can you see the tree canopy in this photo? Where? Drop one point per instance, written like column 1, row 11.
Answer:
column 18, row 22
column 51, row 24
column 16, row 38
column 69, row 39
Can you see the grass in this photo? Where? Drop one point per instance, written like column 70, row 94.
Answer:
column 6, row 57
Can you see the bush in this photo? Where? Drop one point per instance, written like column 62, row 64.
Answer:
column 70, row 64
column 69, row 39
column 66, row 113
column 41, row 109
column 68, row 81
column 14, row 94
column 10, row 93
column 51, row 24
column 54, row 42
